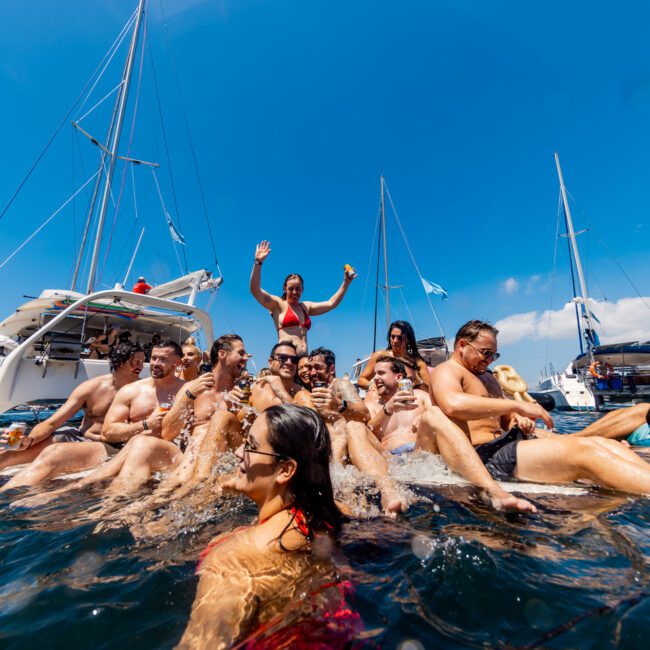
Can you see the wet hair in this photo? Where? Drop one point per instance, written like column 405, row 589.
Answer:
column 471, row 330
column 224, row 342
column 299, row 433
column 395, row 364
column 282, row 344
column 291, row 276
column 407, row 330
column 122, row 353
column 168, row 343
column 328, row 355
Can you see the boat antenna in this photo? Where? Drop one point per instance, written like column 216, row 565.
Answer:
column 374, row 334
column 115, row 140
column 576, row 255
column 383, row 230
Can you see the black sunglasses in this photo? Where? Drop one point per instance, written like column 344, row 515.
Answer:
column 249, row 450
column 283, row 358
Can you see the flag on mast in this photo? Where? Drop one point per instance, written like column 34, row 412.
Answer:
column 176, row 236
column 432, row 287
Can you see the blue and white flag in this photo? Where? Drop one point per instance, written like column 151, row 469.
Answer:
column 176, row 236
column 432, row 287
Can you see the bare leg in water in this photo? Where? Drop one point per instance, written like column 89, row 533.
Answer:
column 618, row 424
column 367, row 455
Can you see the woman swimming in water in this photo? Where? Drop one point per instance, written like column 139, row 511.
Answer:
column 284, row 469
column 401, row 343
column 292, row 318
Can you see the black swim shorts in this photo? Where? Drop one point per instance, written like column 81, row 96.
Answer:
column 500, row 455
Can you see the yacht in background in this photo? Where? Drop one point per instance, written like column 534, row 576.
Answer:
column 568, row 390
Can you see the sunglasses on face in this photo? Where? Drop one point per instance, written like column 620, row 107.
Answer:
column 283, row 358
column 486, row 354
column 249, row 450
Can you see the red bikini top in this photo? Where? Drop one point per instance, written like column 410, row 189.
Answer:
column 291, row 319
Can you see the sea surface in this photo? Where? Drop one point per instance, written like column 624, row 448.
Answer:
column 451, row 573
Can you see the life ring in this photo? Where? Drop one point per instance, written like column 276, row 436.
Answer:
column 512, row 383
column 595, row 370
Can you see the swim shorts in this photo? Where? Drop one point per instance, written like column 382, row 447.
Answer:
column 406, row 448
column 640, row 436
column 72, row 434
column 500, row 455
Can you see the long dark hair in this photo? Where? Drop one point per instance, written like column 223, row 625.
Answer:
column 291, row 276
column 299, row 433
column 407, row 331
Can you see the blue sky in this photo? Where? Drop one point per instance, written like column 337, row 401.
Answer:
column 295, row 110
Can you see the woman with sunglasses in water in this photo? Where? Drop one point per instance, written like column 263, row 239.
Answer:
column 292, row 318
column 401, row 344
column 250, row 574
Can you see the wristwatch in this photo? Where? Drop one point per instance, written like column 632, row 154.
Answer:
column 344, row 406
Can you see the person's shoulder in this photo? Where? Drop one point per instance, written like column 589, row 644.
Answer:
column 91, row 385
column 135, row 387
column 445, row 368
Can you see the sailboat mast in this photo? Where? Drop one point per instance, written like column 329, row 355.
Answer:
column 115, row 141
column 383, row 231
column 574, row 248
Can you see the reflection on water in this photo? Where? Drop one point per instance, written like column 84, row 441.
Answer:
column 451, row 573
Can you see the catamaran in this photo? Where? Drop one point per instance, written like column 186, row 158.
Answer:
column 45, row 344
column 600, row 375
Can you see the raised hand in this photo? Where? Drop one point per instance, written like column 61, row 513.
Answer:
column 402, row 400
column 349, row 273
column 201, row 384
column 262, row 251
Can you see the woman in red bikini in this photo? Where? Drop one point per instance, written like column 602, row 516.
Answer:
column 250, row 574
column 292, row 318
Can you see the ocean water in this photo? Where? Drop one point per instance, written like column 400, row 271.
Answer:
column 451, row 573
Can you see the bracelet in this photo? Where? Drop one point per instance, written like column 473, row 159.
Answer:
column 386, row 411
column 258, row 263
column 192, row 396
column 145, row 426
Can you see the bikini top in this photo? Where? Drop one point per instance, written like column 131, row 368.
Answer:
column 291, row 319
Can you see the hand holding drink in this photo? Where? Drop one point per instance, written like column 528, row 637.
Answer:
column 12, row 436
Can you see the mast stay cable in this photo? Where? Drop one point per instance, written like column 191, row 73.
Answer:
column 63, row 121
column 191, row 142
column 48, row 220
column 408, row 248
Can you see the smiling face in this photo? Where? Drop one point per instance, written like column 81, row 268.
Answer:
column 163, row 362
column 303, row 371
column 136, row 363
column 319, row 371
column 293, row 290
column 234, row 361
column 476, row 355
column 283, row 362
column 260, row 471
column 191, row 356
column 385, row 379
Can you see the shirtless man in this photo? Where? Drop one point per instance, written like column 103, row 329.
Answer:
column 279, row 387
column 134, row 418
column 467, row 429
column 201, row 407
column 337, row 400
column 49, row 448
column 395, row 416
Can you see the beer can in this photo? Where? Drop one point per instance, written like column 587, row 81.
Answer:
column 405, row 384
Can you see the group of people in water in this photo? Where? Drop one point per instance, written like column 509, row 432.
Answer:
column 296, row 419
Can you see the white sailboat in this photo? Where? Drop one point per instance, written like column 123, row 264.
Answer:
column 43, row 344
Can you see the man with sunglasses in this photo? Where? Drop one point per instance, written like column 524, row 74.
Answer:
column 280, row 386
column 484, row 437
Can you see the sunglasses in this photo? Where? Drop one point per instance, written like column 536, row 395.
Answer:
column 283, row 358
column 249, row 450
column 486, row 354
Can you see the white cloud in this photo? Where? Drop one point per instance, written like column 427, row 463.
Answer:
column 510, row 286
column 628, row 319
